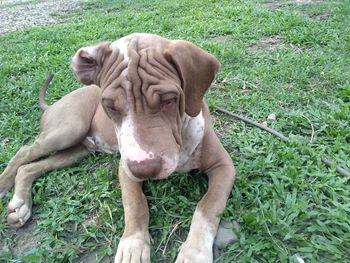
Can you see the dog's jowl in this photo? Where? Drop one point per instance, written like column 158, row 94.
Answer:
column 144, row 98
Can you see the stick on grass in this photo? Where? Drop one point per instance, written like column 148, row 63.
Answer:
column 327, row 162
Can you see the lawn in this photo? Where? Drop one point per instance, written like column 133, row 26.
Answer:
column 288, row 58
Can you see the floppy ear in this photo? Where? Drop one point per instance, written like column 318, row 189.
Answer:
column 197, row 70
column 87, row 62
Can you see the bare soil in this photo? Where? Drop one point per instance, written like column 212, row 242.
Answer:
column 221, row 38
column 275, row 4
column 320, row 16
column 272, row 43
column 19, row 14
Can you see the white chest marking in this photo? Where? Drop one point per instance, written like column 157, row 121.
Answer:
column 192, row 135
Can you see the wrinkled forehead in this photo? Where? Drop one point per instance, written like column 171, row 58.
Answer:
column 140, row 68
column 145, row 60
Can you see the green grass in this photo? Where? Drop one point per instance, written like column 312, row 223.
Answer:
column 286, row 201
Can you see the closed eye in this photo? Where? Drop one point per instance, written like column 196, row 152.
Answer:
column 109, row 105
column 168, row 103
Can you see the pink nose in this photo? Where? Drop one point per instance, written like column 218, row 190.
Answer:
column 147, row 168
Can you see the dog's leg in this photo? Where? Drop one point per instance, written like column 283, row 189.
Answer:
column 62, row 137
column 7, row 178
column 19, row 208
column 26, row 154
column 63, row 125
column 217, row 164
column 134, row 246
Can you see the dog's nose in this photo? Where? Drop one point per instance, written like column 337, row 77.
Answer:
column 147, row 168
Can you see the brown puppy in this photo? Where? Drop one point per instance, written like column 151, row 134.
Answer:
column 146, row 101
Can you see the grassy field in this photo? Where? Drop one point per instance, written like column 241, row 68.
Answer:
column 287, row 58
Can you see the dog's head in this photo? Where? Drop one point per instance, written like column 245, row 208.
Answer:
column 150, row 85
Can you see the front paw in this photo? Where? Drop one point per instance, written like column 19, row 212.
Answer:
column 134, row 249
column 194, row 253
column 19, row 211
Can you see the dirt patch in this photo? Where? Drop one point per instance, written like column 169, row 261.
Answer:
column 23, row 240
column 320, row 16
column 268, row 44
column 280, row 4
column 220, row 39
column 26, row 240
column 19, row 14
column 272, row 43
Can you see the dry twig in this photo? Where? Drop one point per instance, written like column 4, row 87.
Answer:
column 327, row 162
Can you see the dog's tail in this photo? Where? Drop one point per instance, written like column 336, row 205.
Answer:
column 43, row 104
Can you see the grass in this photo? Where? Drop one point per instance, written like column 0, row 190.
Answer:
column 285, row 200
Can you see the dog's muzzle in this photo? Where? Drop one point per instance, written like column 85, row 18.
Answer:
column 145, row 169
